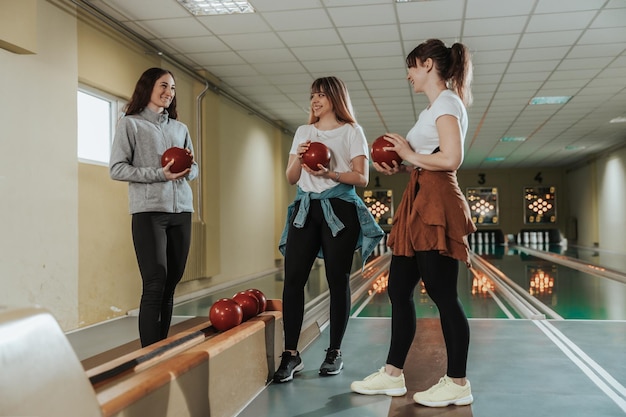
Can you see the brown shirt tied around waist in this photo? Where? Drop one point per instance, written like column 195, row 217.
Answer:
column 432, row 215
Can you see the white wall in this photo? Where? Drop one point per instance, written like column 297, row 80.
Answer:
column 582, row 224
column 612, row 201
column 597, row 199
column 38, row 170
column 247, row 198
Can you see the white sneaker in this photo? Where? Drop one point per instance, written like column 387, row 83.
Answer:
column 445, row 393
column 380, row 383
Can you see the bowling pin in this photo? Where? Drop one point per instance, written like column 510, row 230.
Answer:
column 479, row 238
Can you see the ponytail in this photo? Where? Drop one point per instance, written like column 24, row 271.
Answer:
column 454, row 65
column 460, row 72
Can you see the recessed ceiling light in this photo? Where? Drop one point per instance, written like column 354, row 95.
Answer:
column 621, row 119
column 495, row 158
column 550, row 100
column 512, row 139
column 216, row 7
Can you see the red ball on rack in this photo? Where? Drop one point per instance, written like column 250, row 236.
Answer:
column 249, row 304
column 225, row 314
column 259, row 296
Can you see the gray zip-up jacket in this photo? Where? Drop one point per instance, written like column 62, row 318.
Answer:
column 139, row 143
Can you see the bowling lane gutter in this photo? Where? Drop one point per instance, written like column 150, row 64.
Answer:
column 317, row 310
column 380, row 269
column 372, row 271
column 525, row 304
column 574, row 263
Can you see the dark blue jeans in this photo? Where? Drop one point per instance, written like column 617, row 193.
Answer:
column 162, row 242
column 300, row 253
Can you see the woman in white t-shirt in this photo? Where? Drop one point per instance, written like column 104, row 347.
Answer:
column 327, row 219
column 430, row 227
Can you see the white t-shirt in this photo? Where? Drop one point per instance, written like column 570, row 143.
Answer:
column 424, row 137
column 345, row 143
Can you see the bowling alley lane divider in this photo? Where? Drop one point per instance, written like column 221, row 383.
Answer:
column 216, row 375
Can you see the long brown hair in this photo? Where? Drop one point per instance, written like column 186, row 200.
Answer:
column 337, row 93
column 143, row 91
column 454, row 65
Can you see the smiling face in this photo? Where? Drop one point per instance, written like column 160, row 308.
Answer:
column 321, row 105
column 417, row 76
column 163, row 93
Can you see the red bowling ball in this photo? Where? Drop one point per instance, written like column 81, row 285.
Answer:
column 379, row 155
column 318, row 153
column 249, row 304
column 259, row 296
column 225, row 314
column 182, row 159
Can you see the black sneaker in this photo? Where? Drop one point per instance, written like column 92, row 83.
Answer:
column 289, row 365
column 333, row 364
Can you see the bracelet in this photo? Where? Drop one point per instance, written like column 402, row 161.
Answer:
column 337, row 174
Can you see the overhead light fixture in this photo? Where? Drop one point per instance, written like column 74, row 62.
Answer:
column 574, row 147
column 216, row 7
column 621, row 119
column 495, row 158
column 550, row 100
column 512, row 139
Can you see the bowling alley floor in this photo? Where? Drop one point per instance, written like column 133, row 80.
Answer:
column 573, row 367
column 517, row 368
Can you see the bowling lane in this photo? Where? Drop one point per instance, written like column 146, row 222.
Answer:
column 475, row 297
column 607, row 259
column 573, row 294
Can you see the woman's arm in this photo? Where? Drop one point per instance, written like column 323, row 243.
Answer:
column 450, row 155
column 359, row 175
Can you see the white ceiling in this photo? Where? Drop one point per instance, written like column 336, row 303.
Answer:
column 521, row 49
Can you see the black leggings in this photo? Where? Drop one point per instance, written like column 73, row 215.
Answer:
column 301, row 249
column 439, row 274
column 162, row 242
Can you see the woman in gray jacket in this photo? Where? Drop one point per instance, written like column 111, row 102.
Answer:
column 160, row 201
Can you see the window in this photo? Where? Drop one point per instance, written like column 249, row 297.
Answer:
column 97, row 115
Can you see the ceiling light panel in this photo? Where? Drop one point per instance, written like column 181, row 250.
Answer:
column 216, row 7
column 550, row 100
